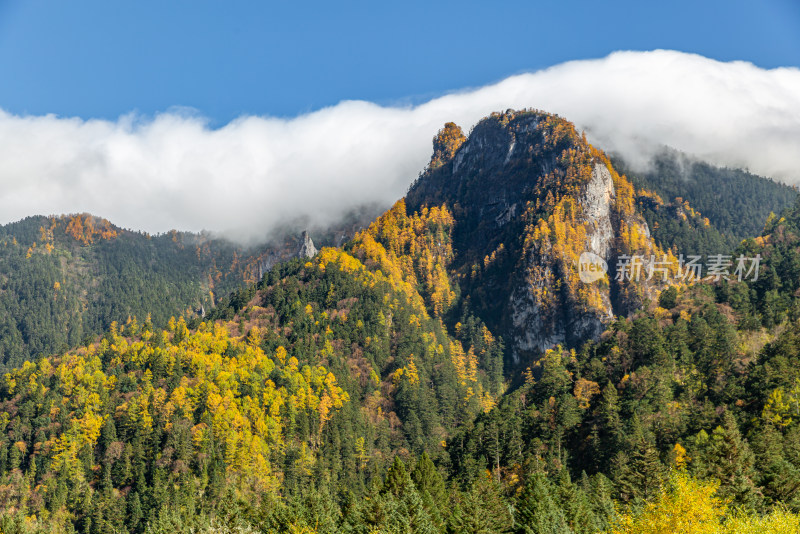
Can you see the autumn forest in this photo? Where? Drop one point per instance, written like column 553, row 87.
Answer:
column 445, row 370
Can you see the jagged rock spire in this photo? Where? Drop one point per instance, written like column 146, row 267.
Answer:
column 307, row 248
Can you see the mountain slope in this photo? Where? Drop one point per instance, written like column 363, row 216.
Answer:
column 706, row 382
column 735, row 202
column 327, row 370
column 64, row 280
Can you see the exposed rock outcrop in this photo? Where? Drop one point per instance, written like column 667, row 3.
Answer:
column 539, row 323
column 530, row 195
column 307, row 248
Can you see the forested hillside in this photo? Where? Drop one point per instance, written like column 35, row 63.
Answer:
column 703, row 381
column 64, row 280
column 446, row 370
column 320, row 376
column 706, row 209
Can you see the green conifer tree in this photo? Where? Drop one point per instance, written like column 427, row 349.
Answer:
column 726, row 456
column 481, row 509
column 537, row 510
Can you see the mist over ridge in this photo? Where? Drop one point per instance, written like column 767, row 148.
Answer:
column 254, row 175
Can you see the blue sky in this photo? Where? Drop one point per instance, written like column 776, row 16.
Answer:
column 101, row 59
column 239, row 117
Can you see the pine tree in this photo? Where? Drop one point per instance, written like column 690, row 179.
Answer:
column 576, row 506
column 608, row 431
column 726, row 457
column 135, row 513
column 430, row 486
column 397, row 478
column 537, row 511
column 779, row 477
column 638, row 472
column 480, row 510
column 390, row 513
column 600, row 490
column 428, row 480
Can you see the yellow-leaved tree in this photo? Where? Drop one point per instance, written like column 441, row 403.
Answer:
column 687, row 505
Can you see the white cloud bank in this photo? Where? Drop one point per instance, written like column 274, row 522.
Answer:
column 256, row 173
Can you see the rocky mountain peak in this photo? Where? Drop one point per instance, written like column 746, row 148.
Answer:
column 446, row 143
column 530, row 195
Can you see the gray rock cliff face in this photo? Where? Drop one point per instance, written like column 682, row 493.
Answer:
column 307, row 248
column 537, row 327
column 510, row 176
column 596, row 203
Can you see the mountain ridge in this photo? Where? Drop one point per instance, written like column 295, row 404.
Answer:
column 88, row 273
column 297, row 402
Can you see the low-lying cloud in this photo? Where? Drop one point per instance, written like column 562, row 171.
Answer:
column 254, row 174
